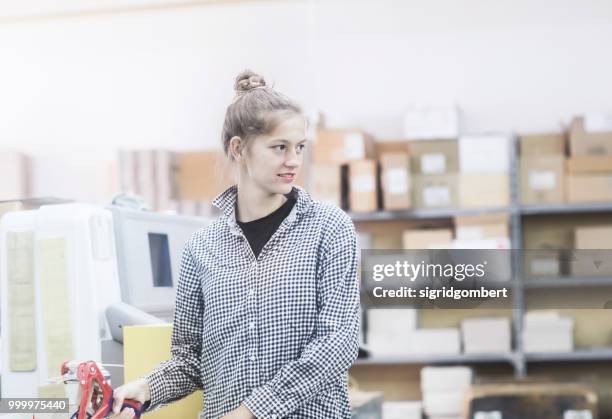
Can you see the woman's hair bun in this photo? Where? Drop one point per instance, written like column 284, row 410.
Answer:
column 248, row 80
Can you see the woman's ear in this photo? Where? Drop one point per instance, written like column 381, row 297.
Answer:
column 235, row 147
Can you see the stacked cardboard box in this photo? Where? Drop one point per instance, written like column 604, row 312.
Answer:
column 444, row 390
column 489, row 231
column 427, row 239
column 183, row 182
column 486, row 335
column 202, row 175
column 395, row 181
column 434, row 341
column 333, row 151
column 594, row 244
column 545, row 242
column 434, row 165
column 484, row 163
column 547, row 331
column 542, row 168
column 389, row 330
column 590, row 164
column 363, row 188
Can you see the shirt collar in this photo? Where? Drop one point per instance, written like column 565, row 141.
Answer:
column 226, row 201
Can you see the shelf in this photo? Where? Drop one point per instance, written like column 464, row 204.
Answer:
column 565, row 208
column 567, row 282
column 437, row 359
column 421, row 214
column 595, row 354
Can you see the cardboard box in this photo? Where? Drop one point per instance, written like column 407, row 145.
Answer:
column 486, row 335
column 584, row 143
column 593, row 237
column 202, row 175
column 595, row 243
column 427, row 239
column 435, row 191
column 589, row 164
column 363, row 190
column 589, row 188
column 484, row 153
column 478, row 190
column 481, row 227
column 144, row 347
column 545, row 243
column 439, row 341
column 542, row 179
column 395, row 181
column 391, row 320
column 389, row 146
column 342, row 146
column 434, row 157
column 535, row 145
column 327, row 183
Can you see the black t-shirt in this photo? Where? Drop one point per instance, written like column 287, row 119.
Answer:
column 259, row 231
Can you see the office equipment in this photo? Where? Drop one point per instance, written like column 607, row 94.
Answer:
column 71, row 267
column 149, row 248
column 62, row 266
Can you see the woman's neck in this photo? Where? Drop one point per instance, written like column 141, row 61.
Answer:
column 254, row 203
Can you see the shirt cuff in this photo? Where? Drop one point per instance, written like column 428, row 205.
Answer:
column 156, row 389
column 265, row 404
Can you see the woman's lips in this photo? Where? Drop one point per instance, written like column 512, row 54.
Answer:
column 287, row 177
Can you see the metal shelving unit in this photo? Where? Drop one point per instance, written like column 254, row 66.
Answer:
column 556, row 282
column 586, row 355
column 439, row 359
column 423, row 214
column 518, row 358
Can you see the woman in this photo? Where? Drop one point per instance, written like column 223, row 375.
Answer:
column 267, row 309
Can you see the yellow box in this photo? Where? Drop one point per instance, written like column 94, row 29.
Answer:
column 144, row 347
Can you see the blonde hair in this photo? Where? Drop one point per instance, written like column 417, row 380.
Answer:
column 256, row 110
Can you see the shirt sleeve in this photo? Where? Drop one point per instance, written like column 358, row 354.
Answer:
column 180, row 375
column 335, row 342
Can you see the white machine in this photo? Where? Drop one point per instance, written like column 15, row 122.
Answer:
column 149, row 248
column 62, row 266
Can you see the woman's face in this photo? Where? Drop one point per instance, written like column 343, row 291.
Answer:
column 273, row 161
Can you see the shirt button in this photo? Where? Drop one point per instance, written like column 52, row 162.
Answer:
column 252, row 291
column 252, row 357
column 252, row 325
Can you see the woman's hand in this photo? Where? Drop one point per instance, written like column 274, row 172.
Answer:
column 241, row 412
column 136, row 390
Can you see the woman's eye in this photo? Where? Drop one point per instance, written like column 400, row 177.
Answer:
column 280, row 147
column 301, row 148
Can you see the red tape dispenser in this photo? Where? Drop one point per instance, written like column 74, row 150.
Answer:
column 95, row 394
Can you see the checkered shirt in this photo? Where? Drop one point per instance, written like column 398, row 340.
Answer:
column 278, row 332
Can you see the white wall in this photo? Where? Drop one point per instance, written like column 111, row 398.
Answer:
column 162, row 78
